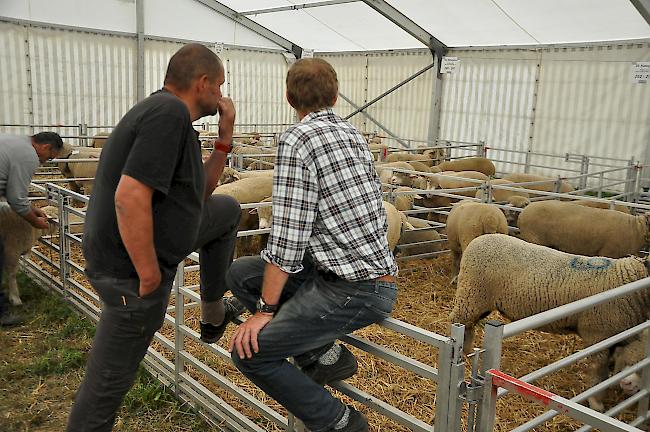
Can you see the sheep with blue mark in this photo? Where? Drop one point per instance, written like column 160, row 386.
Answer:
column 519, row 279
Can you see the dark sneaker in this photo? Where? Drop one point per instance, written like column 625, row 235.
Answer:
column 8, row 320
column 345, row 367
column 211, row 333
column 357, row 422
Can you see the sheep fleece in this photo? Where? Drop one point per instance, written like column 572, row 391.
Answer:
column 520, row 279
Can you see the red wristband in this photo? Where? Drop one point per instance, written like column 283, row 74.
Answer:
column 222, row 147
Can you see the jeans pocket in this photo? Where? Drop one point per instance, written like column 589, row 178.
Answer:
column 383, row 299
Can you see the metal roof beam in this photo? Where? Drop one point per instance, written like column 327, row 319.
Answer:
column 643, row 6
column 405, row 23
column 296, row 7
column 253, row 26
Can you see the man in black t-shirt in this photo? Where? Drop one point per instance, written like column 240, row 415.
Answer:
column 152, row 204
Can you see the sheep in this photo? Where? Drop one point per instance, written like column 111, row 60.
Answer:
column 467, row 221
column 479, row 164
column 261, row 158
column 456, row 180
column 422, row 232
column 512, row 216
column 519, row 279
column 500, row 195
column 79, row 169
column 603, row 205
column 379, row 151
column 404, row 156
column 437, row 155
column 230, row 175
column 18, row 237
column 246, row 191
column 397, row 222
column 100, row 139
column 550, row 184
column 583, row 230
column 404, row 202
column 386, row 173
column 627, row 356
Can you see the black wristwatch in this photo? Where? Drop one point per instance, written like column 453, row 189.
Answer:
column 263, row 307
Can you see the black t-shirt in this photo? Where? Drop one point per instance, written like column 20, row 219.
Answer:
column 155, row 144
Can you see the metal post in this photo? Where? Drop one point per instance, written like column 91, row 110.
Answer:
column 629, row 178
column 179, row 320
column 492, row 345
column 445, row 355
column 601, row 179
column 637, row 184
column 457, row 377
column 434, row 114
column 527, row 162
column 584, row 170
column 642, row 409
column 139, row 18
column 481, row 150
column 64, row 250
column 29, row 79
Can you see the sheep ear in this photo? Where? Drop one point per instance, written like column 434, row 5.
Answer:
column 236, row 176
column 418, row 196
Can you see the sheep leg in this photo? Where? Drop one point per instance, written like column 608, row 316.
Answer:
column 12, row 285
column 455, row 265
column 599, row 370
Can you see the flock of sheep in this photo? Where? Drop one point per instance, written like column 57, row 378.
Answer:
column 563, row 251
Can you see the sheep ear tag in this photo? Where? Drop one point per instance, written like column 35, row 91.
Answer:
column 253, row 211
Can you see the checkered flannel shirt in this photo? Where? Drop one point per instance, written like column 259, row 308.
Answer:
column 327, row 201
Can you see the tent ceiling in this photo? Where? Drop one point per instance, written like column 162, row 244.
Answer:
column 458, row 23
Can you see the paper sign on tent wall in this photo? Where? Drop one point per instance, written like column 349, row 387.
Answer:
column 641, row 73
column 449, row 65
column 307, row 53
column 218, row 47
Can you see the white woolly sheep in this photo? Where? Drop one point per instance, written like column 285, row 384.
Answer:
column 627, row 356
column 421, row 233
column 79, row 169
column 603, row 205
column 18, row 237
column 407, row 157
column 468, row 220
column 253, row 157
column 550, row 184
column 500, row 195
column 479, row 164
column 397, row 222
column 100, row 139
column 512, row 216
column 404, row 202
column 386, row 173
column 230, row 175
column 457, row 180
column 519, row 279
column 583, row 230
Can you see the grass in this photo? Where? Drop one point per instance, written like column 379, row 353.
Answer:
column 42, row 364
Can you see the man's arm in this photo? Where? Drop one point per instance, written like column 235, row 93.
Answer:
column 36, row 218
column 135, row 222
column 245, row 337
column 213, row 166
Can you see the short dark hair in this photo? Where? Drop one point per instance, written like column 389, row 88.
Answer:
column 189, row 63
column 312, row 85
column 51, row 138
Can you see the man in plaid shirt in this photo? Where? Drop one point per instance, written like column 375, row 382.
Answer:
column 327, row 269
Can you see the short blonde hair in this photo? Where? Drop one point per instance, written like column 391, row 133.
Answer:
column 312, row 85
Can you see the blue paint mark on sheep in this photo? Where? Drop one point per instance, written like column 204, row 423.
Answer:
column 596, row 263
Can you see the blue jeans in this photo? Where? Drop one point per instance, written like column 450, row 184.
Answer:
column 314, row 312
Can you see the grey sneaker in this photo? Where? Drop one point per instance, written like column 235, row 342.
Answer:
column 211, row 333
column 345, row 367
column 357, row 422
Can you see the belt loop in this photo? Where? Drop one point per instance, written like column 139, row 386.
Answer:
column 377, row 286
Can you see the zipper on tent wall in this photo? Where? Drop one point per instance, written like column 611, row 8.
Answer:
column 533, row 117
column 28, row 70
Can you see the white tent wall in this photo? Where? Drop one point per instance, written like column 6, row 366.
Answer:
column 587, row 102
column 551, row 100
column 363, row 77
column 15, row 97
column 490, row 98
